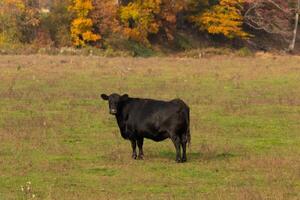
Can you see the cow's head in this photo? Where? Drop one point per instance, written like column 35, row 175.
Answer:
column 114, row 101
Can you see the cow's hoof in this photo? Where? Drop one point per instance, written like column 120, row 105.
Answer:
column 134, row 156
column 178, row 160
column 183, row 160
column 141, row 157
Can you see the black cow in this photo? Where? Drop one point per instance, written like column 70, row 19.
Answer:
column 153, row 119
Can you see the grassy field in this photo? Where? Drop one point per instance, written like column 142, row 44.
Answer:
column 56, row 133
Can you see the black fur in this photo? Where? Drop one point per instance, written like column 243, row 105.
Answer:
column 153, row 119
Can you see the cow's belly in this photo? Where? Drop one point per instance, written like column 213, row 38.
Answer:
column 156, row 136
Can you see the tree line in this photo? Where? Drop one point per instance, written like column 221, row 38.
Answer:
column 83, row 23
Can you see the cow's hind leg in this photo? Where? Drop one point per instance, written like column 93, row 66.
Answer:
column 176, row 141
column 133, row 145
column 183, row 144
column 140, row 143
column 183, row 141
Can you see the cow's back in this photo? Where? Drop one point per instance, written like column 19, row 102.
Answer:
column 153, row 118
column 148, row 109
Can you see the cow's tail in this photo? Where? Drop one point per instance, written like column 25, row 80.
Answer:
column 188, row 133
column 185, row 110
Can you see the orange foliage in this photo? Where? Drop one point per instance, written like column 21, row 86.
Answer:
column 81, row 27
column 134, row 19
column 224, row 18
column 19, row 21
column 141, row 18
column 14, row 3
column 105, row 16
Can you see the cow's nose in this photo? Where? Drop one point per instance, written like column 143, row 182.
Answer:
column 113, row 111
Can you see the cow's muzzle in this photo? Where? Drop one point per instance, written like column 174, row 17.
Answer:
column 113, row 111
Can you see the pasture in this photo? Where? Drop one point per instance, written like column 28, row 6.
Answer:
column 56, row 133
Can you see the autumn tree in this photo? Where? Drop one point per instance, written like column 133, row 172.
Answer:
column 56, row 21
column 28, row 21
column 19, row 20
column 274, row 17
column 9, row 10
column 194, row 7
column 105, row 16
column 82, row 25
column 142, row 18
column 292, row 44
column 224, row 18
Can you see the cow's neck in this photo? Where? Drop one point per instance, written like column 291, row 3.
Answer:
column 121, row 121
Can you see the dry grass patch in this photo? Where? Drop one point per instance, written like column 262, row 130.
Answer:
column 56, row 133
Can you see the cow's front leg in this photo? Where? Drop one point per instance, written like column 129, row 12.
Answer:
column 133, row 145
column 140, row 143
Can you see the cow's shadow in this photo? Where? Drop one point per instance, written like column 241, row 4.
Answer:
column 195, row 155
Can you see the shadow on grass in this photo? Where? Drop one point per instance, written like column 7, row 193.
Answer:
column 198, row 156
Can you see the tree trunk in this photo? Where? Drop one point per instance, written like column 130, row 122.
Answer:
column 292, row 45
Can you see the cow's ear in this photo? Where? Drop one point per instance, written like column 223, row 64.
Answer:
column 104, row 97
column 124, row 97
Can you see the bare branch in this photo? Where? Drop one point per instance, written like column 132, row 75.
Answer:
column 277, row 6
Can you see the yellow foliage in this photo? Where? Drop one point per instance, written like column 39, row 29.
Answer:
column 81, row 27
column 82, row 7
column 224, row 18
column 16, row 3
column 144, row 17
column 19, row 20
column 2, row 39
column 142, row 14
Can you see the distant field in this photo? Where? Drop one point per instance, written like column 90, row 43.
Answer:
column 57, row 134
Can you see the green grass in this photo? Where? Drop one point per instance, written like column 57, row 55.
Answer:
column 56, row 132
